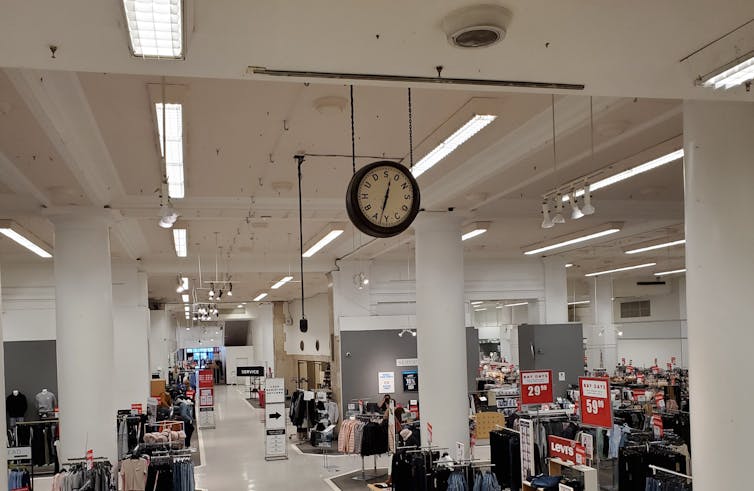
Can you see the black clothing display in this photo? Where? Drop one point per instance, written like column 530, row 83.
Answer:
column 634, row 462
column 16, row 405
column 40, row 436
column 303, row 413
column 505, row 453
column 374, row 439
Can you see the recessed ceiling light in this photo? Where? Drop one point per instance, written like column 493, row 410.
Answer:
column 19, row 235
column 331, row 234
column 656, row 246
column 155, row 28
column 471, row 128
column 618, row 270
column 180, row 242
column 735, row 73
column 607, row 230
column 174, row 143
column 282, row 282
column 675, row 271
column 518, row 304
column 260, row 297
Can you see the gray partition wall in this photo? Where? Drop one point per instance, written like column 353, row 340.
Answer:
column 31, row 366
column 366, row 353
column 556, row 347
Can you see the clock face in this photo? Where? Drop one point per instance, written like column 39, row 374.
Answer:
column 386, row 196
column 383, row 199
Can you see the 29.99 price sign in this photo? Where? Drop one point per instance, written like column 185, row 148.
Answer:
column 536, row 387
column 594, row 401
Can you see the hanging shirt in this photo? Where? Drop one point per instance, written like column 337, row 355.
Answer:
column 134, row 473
column 46, row 401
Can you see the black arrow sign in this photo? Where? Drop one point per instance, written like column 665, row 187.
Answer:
column 275, row 415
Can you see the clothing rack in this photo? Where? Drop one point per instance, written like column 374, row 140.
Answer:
column 656, row 469
column 505, row 428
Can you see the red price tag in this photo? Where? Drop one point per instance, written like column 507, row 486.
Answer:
column 594, row 401
column 566, row 450
column 90, row 459
column 136, row 409
column 190, row 394
column 536, row 387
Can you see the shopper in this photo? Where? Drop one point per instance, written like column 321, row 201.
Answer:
column 385, row 403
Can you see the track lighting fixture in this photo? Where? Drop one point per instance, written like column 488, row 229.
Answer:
column 212, row 290
column 558, row 218
column 230, row 289
column 546, row 219
column 587, row 209
column 220, row 294
column 360, row 280
column 576, row 212
column 180, row 288
column 407, row 331
column 168, row 215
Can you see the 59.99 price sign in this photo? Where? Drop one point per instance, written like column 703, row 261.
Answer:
column 536, row 387
column 594, row 401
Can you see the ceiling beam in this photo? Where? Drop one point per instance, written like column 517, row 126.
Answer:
column 19, row 183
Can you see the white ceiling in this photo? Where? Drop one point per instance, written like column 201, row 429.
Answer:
column 79, row 129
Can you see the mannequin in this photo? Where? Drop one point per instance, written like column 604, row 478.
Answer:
column 46, row 403
column 15, row 407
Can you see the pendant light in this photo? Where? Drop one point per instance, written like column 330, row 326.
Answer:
column 546, row 219
column 576, row 213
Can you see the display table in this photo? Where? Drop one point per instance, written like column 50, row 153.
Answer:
column 556, row 469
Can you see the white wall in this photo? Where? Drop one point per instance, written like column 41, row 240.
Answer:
column 262, row 335
column 131, row 329
column 162, row 340
column 318, row 313
column 239, row 356
column 28, row 308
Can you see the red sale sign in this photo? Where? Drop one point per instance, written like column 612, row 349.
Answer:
column 594, row 402
column 206, row 378
column 136, row 409
column 629, row 369
column 566, row 450
column 536, row 387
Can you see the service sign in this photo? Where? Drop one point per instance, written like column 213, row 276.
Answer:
column 249, row 371
column 594, row 402
column 536, row 387
column 566, row 450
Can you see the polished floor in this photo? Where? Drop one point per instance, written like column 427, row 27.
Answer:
column 234, row 454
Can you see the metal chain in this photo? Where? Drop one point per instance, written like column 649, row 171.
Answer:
column 410, row 130
column 353, row 136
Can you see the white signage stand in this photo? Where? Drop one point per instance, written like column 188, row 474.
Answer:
column 276, row 447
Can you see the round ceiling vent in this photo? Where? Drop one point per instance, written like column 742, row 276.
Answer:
column 477, row 26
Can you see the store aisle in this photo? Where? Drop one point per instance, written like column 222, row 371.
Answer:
column 234, row 454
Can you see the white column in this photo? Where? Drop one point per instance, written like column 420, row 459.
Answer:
column 556, row 293
column 719, row 173
column 84, row 333
column 441, row 335
column 265, row 351
column 3, row 460
column 604, row 336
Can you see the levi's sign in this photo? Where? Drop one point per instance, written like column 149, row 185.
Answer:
column 566, row 450
column 249, row 371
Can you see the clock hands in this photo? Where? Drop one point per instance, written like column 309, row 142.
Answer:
column 384, row 203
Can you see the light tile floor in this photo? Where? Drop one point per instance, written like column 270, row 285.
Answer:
column 233, row 454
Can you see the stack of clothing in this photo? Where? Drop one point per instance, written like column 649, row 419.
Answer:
column 166, row 436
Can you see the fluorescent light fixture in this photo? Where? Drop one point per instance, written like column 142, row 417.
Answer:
column 184, row 283
column 477, row 302
column 174, row 144
column 333, row 231
column 569, row 265
column 739, row 71
column 675, row 271
column 479, row 310
column 155, row 28
column 576, row 240
column 499, row 307
column 471, row 128
column 260, row 297
column 474, row 229
column 186, row 308
column 240, row 306
column 282, row 282
column 627, row 174
column 518, row 304
column 23, row 237
column 618, row 270
column 580, row 302
column 656, row 246
column 180, row 242
column 185, row 298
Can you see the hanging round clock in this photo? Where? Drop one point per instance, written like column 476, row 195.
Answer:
column 383, row 199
